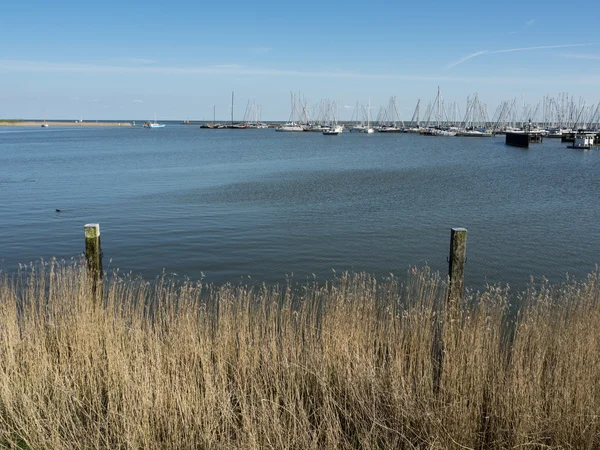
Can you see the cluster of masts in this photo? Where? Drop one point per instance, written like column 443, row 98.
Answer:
column 552, row 116
column 252, row 118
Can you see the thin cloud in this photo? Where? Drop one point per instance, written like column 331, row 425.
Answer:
column 529, row 23
column 579, row 56
column 230, row 69
column 540, row 47
column 140, row 61
column 138, row 101
column 465, row 58
column 511, row 50
column 348, row 107
column 227, row 66
column 234, row 70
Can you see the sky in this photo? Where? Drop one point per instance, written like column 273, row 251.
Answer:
column 131, row 60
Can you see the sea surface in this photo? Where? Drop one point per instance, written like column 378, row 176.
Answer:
column 236, row 205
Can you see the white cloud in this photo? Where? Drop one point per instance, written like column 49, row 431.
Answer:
column 529, row 22
column 138, row 101
column 510, row 50
column 348, row 107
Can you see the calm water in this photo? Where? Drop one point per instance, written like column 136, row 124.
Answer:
column 263, row 204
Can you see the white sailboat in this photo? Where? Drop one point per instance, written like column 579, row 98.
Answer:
column 45, row 124
column 334, row 128
column 367, row 129
column 291, row 126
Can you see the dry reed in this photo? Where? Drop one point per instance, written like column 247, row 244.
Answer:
column 352, row 363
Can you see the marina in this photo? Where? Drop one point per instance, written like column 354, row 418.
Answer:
column 560, row 117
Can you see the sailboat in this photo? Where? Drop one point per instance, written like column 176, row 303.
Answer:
column 235, row 126
column 291, row 125
column 334, row 129
column 45, row 124
column 214, row 125
column 393, row 118
column 368, row 128
column 154, row 124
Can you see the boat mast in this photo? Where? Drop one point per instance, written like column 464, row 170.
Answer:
column 214, row 113
column 438, row 108
column 231, row 107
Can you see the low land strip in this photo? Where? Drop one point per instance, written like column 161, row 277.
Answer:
column 33, row 123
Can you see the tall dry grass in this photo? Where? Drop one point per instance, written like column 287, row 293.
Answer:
column 354, row 363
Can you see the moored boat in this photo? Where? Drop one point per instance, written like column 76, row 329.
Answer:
column 337, row 129
column 154, row 124
column 290, row 127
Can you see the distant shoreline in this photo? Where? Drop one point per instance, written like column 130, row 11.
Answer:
column 38, row 123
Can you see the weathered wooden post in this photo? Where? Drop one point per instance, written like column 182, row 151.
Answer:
column 444, row 330
column 456, row 268
column 93, row 254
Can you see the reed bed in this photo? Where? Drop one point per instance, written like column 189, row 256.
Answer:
column 357, row 362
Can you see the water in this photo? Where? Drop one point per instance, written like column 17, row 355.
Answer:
column 233, row 204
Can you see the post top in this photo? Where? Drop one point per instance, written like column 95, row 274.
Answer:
column 92, row 230
column 459, row 229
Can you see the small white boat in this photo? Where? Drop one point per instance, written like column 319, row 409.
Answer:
column 154, row 124
column 390, row 130
column 45, row 125
column 290, row 127
column 437, row 132
column 334, row 131
column 474, row 133
column 368, row 128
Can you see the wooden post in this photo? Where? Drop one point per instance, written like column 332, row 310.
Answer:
column 456, row 268
column 93, row 253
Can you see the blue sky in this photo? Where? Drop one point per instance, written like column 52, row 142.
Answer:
column 125, row 60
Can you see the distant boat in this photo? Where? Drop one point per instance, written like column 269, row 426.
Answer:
column 153, row 124
column 334, row 128
column 291, row 126
column 45, row 124
column 337, row 129
column 366, row 129
column 235, row 126
column 214, row 125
